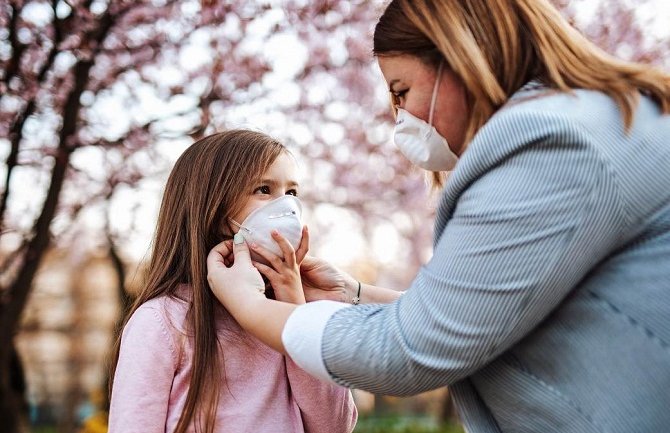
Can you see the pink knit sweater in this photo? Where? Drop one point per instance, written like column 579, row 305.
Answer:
column 263, row 391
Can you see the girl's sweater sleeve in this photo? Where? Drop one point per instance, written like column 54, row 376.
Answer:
column 144, row 373
column 324, row 406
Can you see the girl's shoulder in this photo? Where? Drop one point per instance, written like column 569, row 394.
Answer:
column 174, row 303
column 149, row 330
column 168, row 311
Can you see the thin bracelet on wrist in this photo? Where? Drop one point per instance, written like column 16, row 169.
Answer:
column 357, row 299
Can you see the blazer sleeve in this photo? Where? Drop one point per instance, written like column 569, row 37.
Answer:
column 324, row 406
column 524, row 231
column 144, row 374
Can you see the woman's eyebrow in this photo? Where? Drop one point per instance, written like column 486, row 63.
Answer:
column 393, row 83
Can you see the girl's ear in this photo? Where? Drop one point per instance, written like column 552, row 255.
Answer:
column 227, row 231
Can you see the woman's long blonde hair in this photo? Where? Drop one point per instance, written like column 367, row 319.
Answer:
column 207, row 185
column 496, row 46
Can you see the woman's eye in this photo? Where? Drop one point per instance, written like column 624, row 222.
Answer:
column 263, row 189
column 399, row 93
column 292, row 192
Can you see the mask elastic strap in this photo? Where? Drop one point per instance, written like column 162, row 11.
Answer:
column 434, row 97
column 239, row 225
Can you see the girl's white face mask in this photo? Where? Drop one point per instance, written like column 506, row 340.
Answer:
column 282, row 214
column 420, row 142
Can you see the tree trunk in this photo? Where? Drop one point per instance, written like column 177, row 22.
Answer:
column 120, row 269
column 16, row 294
column 19, row 290
column 8, row 404
column 12, row 392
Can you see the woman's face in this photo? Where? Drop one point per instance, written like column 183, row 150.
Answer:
column 411, row 82
column 279, row 179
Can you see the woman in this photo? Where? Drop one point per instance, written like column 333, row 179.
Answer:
column 546, row 305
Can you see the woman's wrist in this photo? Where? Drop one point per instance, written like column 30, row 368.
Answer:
column 350, row 289
column 369, row 294
column 357, row 299
column 267, row 321
column 245, row 309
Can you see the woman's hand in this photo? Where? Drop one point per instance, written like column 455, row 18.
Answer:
column 284, row 273
column 323, row 281
column 239, row 287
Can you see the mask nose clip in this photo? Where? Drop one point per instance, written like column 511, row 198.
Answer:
column 280, row 215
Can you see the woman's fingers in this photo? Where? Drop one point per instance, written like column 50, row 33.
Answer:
column 238, row 284
column 219, row 254
column 301, row 252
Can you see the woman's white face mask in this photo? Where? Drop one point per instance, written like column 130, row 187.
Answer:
column 420, row 142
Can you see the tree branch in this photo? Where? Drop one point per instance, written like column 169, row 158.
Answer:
column 17, row 47
column 119, row 268
column 10, row 259
column 16, row 130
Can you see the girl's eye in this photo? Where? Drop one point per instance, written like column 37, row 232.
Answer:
column 292, row 192
column 263, row 189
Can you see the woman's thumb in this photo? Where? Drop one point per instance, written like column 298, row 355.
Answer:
column 240, row 248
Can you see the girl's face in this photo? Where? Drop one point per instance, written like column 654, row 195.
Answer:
column 279, row 179
column 411, row 83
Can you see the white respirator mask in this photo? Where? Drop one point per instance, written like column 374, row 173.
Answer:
column 282, row 214
column 420, row 142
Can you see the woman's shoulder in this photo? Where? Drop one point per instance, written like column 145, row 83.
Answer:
column 537, row 96
column 582, row 118
column 551, row 104
column 535, row 119
column 577, row 110
column 540, row 116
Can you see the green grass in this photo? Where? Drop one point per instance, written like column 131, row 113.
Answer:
column 366, row 424
column 395, row 424
column 43, row 429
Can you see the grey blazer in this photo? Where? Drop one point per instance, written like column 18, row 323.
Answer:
column 546, row 305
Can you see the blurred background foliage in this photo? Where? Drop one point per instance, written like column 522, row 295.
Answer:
column 99, row 97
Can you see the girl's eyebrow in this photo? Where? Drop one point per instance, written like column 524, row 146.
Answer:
column 273, row 182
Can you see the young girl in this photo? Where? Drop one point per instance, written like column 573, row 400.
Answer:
column 182, row 363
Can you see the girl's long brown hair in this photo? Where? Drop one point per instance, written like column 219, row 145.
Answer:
column 206, row 186
column 496, row 46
